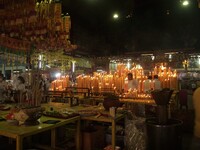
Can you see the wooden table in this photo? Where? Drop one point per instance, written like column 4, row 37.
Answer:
column 126, row 100
column 111, row 120
column 20, row 132
column 137, row 100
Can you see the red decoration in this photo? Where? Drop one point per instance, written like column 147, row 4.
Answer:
column 24, row 21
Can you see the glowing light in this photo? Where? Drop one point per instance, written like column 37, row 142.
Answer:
column 199, row 61
column 58, row 74
column 185, row 2
column 152, row 57
column 115, row 16
column 40, row 61
column 128, row 65
column 73, row 66
column 185, row 64
column 48, row 66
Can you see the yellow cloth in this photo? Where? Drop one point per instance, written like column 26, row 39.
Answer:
column 21, row 116
column 196, row 101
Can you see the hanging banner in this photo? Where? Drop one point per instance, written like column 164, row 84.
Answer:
column 14, row 44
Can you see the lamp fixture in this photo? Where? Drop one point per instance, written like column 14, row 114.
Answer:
column 185, row 2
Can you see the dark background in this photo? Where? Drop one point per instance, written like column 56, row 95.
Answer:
column 143, row 25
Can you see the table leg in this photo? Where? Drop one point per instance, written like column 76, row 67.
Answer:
column 19, row 143
column 113, row 134
column 78, row 134
column 53, row 138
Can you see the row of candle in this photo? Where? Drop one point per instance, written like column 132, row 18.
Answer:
column 60, row 84
column 116, row 81
column 135, row 94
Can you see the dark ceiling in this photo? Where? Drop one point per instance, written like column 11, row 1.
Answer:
column 142, row 25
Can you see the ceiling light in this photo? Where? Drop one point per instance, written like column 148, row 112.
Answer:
column 115, row 16
column 185, row 2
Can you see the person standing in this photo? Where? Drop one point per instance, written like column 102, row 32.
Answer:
column 131, row 83
column 147, row 84
column 21, row 88
column 3, row 86
column 196, row 102
column 157, row 83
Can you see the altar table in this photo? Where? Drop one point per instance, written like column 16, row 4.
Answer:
column 20, row 132
column 103, row 118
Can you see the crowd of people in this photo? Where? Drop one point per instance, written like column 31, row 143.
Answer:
column 148, row 84
column 13, row 90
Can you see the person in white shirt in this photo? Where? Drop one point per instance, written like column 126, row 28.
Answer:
column 157, row 83
column 131, row 83
column 20, row 84
column 147, row 84
column 21, row 88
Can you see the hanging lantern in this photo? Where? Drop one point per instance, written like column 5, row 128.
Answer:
column 57, row 12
